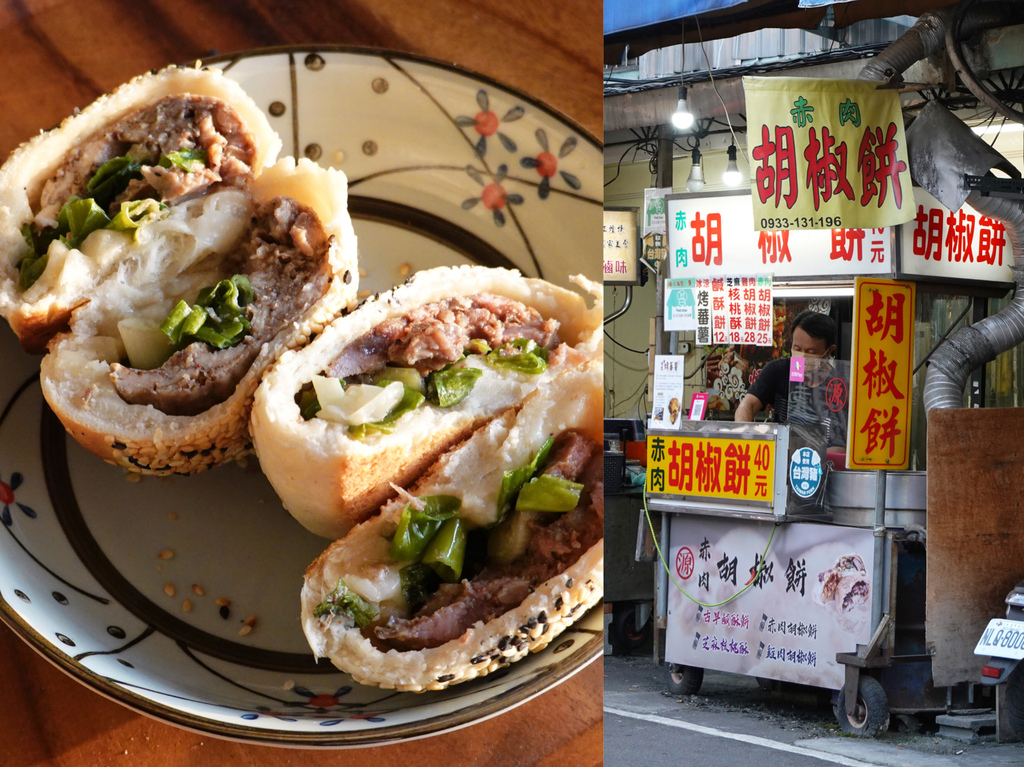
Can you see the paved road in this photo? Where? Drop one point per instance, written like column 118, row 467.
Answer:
column 733, row 722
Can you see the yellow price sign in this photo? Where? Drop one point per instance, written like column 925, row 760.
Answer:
column 711, row 467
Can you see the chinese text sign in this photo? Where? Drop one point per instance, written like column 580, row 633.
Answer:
column 620, row 247
column 959, row 245
column 732, row 469
column 712, row 237
column 826, row 154
column 882, row 373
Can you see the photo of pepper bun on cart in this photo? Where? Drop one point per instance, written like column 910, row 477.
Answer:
column 195, row 297
column 844, row 589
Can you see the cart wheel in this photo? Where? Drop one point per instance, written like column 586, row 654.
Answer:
column 872, row 714
column 625, row 635
column 684, row 680
column 1014, row 700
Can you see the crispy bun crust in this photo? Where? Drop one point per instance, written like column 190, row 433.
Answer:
column 75, row 375
column 37, row 314
column 329, row 481
column 573, row 400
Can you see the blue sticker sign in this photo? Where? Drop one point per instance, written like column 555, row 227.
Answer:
column 805, row 472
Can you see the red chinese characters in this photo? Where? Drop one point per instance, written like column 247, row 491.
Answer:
column 718, row 467
column 882, row 374
column 826, row 167
column 962, row 237
column 707, row 248
column 778, row 170
column 879, row 166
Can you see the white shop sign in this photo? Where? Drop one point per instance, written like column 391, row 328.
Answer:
column 965, row 245
column 809, row 601
column 714, row 236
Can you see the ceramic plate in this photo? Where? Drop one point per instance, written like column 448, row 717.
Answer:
column 179, row 596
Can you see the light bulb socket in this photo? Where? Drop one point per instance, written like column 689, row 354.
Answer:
column 732, row 175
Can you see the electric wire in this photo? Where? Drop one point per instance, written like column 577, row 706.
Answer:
column 661, row 556
column 629, row 399
column 617, row 343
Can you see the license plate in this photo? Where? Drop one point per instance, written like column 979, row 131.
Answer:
column 1003, row 639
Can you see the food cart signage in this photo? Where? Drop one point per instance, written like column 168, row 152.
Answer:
column 712, row 237
column 809, row 597
column 961, row 245
column 723, row 310
column 620, row 246
column 712, row 467
column 826, row 154
column 882, row 371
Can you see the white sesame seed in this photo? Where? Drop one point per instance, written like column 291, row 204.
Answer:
column 169, row 589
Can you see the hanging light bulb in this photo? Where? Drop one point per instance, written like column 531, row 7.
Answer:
column 732, row 175
column 682, row 118
column 695, row 181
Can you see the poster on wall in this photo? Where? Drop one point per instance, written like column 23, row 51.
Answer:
column 654, row 210
column 669, row 381
column 620, row 246
column 809, row 597
column 680, row 305
column 826, row 154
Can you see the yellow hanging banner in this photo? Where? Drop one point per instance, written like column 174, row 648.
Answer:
column 882, row 373
column 826, row 154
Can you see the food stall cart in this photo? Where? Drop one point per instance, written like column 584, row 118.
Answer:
column 776, row 560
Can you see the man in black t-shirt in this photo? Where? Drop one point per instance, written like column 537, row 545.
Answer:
column 814, row 336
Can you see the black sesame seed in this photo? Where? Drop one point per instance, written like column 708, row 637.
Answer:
column 135, row 461
column 524, row 629
column 558, row 603
column 574, row 609
column 348, row 276
column 189, row 453
column 224, row 612
column 207, row 451
column 503, row 642
column 545, row 628
column 446, row 677
column 568, row 583
column 478, row 659
column 542, row 616
column 119, row 446
column 532, row 623
column 517, row 642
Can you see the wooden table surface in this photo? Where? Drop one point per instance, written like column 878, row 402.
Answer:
column 56, row 55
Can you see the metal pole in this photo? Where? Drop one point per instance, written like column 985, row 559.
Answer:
column 879, row 569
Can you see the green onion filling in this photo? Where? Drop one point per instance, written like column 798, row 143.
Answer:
column 218, row 317
column 81, row 216
column 548, row 493
column 513, row 481
column 521, row 355
column 345, row 602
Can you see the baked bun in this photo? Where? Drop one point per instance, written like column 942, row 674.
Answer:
column 41, row 172
column 520, row 583
column 173, row 177
column 333, row 474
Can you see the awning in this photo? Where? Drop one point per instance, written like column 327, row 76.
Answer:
column 644, row 26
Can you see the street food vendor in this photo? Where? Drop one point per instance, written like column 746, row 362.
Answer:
column 813, row 338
